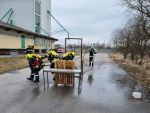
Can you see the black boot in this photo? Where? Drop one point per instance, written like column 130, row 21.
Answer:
column 36, row 79
column 31, row 77
column 53, row 76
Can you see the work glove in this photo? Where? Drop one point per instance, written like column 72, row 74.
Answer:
column 36, row 66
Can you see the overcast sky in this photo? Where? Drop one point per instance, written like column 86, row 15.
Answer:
column 93, row 20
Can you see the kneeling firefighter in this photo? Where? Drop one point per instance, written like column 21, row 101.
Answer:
column 35, row 64
column 52, row 57
column 69, row 55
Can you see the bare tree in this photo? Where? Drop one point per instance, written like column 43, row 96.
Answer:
column 134, row 38
column 138, row 6
column 121, row 41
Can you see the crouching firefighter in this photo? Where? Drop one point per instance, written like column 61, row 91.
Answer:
column 52, row 57
column 35, row 64
column 69, row 55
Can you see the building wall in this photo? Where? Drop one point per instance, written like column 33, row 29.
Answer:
column 7, row 42
column 14, row 42
column 23, row 15
column 41, row 43
column 29, row 40
column 52, row 45
column 45, row 20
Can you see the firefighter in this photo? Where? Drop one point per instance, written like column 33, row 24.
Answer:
column 69, row 55
column 91, row 56
column 52, row 57
column 29, row 49
column 35, row 64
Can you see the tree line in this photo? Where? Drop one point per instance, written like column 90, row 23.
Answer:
column 134, row 37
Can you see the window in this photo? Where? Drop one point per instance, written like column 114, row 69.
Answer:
column 39, row 41
column 36, row 42
column 37, row 17
column 37, row 8
column 37, row 23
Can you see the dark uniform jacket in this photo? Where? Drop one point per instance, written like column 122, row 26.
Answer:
column 91, row 52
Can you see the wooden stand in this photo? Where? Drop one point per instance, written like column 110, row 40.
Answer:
column 65, row 78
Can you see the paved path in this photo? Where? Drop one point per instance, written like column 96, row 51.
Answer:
column 105, row 89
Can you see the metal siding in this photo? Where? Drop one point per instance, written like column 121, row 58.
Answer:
column 45, row 22
column 23, row 12
column 9, row 42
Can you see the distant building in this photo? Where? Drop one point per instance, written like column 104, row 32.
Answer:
column 24, row 22
column 57, row 45
column 16, row 38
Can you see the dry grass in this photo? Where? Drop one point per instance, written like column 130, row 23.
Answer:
column 117, row 56
column 138, row 72
column 9, row 64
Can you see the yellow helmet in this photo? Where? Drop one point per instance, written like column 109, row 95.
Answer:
column 29, row 56
column 73, row 53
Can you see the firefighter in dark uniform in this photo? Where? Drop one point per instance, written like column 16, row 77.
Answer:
column 91, row 56
column 29, row 49
column 35, row 64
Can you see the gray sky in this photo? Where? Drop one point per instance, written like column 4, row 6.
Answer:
column 93, row 20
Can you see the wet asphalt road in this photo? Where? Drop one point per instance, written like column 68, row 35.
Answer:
column 105, row 89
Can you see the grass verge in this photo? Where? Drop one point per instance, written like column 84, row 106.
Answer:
column 10, row 64
column 138, row 72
